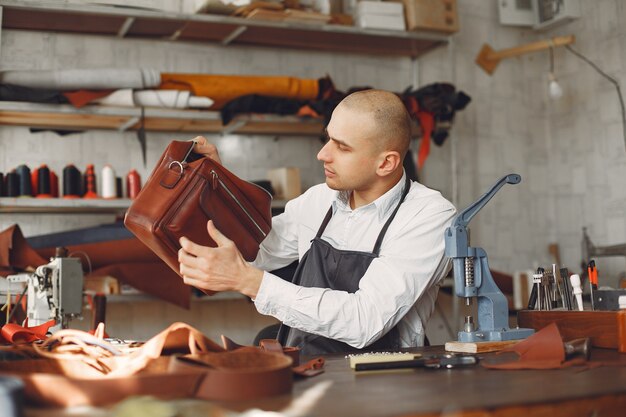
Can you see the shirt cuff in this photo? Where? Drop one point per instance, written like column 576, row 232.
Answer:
column 272, row 291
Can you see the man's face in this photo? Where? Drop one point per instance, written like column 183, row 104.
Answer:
column 349, row 156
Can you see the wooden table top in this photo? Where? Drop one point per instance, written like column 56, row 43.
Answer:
column 474, row 392
column 449, row 391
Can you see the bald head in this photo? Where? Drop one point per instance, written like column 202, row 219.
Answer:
column 391, row 121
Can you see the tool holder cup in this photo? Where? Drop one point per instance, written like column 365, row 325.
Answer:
column 472, row 278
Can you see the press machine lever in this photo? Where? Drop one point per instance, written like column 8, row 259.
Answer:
column 472, row 277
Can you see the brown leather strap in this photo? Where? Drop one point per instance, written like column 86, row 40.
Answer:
column 242, row 374
column 273, row 345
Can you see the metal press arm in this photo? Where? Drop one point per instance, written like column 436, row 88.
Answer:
column 463, row 218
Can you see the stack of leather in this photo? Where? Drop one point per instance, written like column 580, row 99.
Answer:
column 76, row 368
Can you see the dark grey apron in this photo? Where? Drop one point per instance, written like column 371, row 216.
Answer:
column 323, row 266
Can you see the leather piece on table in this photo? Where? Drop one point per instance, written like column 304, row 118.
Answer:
column 206, row 371
column 243, row 374
column 542, row 350
column 268, row 345
column 128, row 260
column 224, row 88
column 311, row 368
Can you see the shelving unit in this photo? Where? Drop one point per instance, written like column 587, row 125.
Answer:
column 69, row 206
column 134, row 23
column 67, row 117
column 55, row 16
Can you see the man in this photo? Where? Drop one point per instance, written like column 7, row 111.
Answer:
column 370, row 242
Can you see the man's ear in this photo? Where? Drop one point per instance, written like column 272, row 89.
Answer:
column 389, row 162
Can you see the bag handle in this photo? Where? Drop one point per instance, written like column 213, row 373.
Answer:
column 170, row 179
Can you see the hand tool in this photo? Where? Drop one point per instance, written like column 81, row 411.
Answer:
column 566, row 288
column 532, row 301
column 592, row 274
column 472, row 277
column 377, row 357
column 578, row 292
column 447, row 361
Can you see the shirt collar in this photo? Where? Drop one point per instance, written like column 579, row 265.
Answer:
column 383, row 204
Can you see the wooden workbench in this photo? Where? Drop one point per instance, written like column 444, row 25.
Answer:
column 471, row 392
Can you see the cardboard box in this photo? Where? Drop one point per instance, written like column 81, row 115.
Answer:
column 380, row 21
column 379, row 7
column 285, row 182
column 431, row 15
column 380, row 15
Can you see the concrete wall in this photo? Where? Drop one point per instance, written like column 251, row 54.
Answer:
column 570, row 152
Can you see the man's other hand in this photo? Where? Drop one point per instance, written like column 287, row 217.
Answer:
column 217, row 269
column 206, row 148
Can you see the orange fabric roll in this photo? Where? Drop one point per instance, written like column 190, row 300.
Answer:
column 224, row 88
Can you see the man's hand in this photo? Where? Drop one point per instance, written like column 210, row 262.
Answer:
column 218, row 269
column 204, row 147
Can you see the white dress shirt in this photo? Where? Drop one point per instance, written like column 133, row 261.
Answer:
column 400, row 286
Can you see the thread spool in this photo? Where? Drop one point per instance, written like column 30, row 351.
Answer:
column 72, row 182
column 12, row 185
column 34, row 182
column 90, row 182
column 133, row 184
column 54, row 184
column 108, row 182
column 24, row 181
column 43, row 182
column 119, row 191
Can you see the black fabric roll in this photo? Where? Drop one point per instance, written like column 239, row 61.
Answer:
column 11, row 396
column 72, row 181
column 2, row 185
column 25, row 184
column 43, row 180
column 12, row 185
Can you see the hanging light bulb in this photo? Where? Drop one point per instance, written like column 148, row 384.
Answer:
column 554, row 88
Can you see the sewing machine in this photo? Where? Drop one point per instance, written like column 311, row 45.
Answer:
column 472, row 278
column 54, row 291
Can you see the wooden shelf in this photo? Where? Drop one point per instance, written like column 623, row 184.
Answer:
column 67, row 117
column 132, row 23
column 61, row 205
column 68, row 206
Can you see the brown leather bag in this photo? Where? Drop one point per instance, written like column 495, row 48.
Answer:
column 184, row 191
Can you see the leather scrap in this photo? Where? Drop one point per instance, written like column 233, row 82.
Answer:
column 76, row 368
column 311, row 368
column 12, row 333
column 542, row 350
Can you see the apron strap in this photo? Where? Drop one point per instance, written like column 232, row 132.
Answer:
column 381, row 236
column 329, row 214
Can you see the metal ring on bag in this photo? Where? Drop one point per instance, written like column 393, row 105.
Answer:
column 182, row 168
